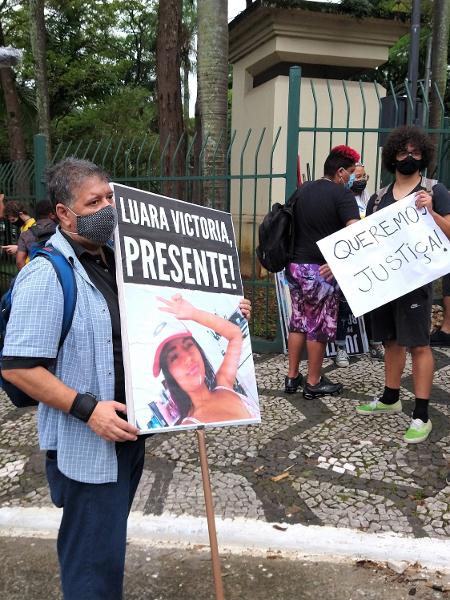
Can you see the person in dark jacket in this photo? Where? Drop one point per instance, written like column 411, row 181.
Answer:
column 40, row 232
column 17, row 214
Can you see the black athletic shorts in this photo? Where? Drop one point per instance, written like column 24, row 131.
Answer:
column 446, row 285
column 406, row 320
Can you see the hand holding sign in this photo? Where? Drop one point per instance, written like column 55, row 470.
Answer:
column 424, row 200
column 388, row 254
column 245, row 306
column 326, row 272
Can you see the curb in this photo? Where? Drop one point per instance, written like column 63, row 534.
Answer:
column 245, row 536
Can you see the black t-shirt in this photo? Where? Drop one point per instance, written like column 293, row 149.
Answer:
column 103, row 276
column 321, row 208
column 441, row 199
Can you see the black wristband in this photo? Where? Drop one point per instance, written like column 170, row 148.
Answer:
column 83, row 406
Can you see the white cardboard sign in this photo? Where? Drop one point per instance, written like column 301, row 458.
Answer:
column 387, row 255
column 182, row 370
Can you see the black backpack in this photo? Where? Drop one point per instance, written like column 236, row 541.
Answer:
column 276, row 236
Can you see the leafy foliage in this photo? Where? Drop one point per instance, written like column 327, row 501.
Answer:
column 387, row 9
column 101, row 65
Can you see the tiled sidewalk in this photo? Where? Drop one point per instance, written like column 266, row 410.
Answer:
column 311, row 462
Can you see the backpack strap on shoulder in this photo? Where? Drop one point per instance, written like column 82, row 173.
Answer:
column 429, row 184
column 66, row 277
column 5, row 309
column 380, row 194
column 289, row 206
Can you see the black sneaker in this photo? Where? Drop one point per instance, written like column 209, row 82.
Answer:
column 325, row 387
column 291, row 384
column 447, row 479
column 440, row 338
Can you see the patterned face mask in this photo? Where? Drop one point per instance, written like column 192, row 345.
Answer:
column 359, row 186
column 98, row 227
column 348, row 184
column 351, row 178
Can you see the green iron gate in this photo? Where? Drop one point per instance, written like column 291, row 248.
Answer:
column 360, row 114
column 320, row 115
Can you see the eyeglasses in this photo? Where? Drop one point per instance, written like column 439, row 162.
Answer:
column 402, row 154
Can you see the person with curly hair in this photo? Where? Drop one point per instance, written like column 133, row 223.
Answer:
column 406, row 321
column 321, row 208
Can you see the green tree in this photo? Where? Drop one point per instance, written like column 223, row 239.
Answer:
column 12, row 113
column 170, row 114
column 188, row 33
column 38, row 45
column 439, row 64
column 91, row 69
column 212, row 71
column 439, row 58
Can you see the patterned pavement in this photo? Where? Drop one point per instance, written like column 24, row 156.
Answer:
column 310, row 462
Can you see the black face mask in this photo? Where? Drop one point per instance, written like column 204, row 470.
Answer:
column 408, row 166
column 359, row 186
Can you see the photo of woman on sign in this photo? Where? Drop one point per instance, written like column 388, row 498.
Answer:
column 201, row 396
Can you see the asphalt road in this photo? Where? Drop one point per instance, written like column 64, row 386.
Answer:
column 28, row 569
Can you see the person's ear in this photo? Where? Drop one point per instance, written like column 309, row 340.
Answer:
column 63, row 215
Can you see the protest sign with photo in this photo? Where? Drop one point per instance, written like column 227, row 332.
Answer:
column 355, row 332
column 187, row 353
column 386, row 255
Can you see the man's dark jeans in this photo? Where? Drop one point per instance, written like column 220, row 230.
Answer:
column 92, row 536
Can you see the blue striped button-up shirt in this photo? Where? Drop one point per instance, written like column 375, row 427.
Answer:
column 85, row 361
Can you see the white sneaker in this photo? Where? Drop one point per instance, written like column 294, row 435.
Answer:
column 341, row 359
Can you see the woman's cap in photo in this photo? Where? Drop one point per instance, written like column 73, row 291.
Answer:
column 166, row 331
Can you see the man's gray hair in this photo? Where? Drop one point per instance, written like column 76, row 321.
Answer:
column 66, row 176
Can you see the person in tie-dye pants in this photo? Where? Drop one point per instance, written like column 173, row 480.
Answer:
column 321, row 208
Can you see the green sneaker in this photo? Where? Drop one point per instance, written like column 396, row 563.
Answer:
column 418, row 431
column 376, row 407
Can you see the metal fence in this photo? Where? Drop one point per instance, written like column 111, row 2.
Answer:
column 260, row 168
column 16, row 183
column 360, row 114
column 17, row 180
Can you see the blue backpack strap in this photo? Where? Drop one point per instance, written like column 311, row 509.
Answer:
column 5, row 305
column 66, row 278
